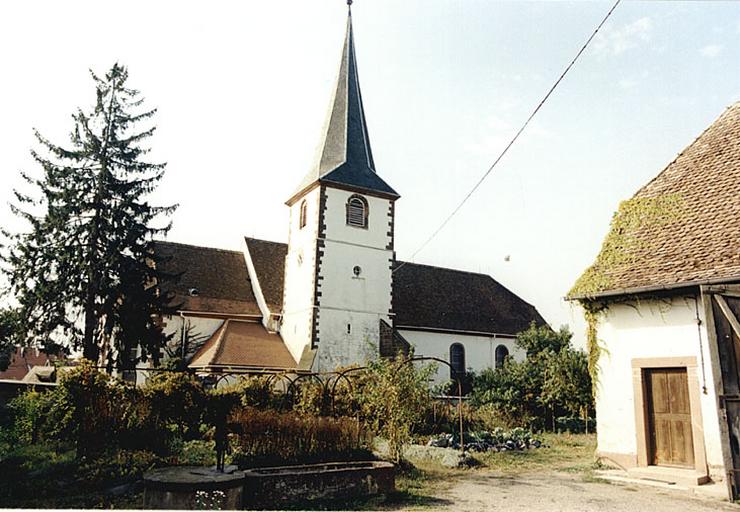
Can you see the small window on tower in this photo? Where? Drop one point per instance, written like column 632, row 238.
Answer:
column 357, row 211
column 349, row 328
column 302, row 220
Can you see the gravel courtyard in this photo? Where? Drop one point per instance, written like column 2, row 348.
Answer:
column 553, row 491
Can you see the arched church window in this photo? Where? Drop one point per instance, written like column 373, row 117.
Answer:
column 357, row 211
column 302, row 219
column 501, row 354
column 457, row 361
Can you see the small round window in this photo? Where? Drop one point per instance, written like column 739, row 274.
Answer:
column 357, row 270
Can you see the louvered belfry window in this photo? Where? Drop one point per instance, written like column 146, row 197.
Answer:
column 357, row 211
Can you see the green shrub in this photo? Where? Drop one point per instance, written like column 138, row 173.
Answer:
column 174, row 399
column 552, row 381
column 29, row 412
column 393, row 400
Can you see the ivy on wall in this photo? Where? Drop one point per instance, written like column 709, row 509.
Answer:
column 618, row 251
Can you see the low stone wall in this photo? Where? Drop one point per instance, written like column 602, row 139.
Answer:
column 278, row 486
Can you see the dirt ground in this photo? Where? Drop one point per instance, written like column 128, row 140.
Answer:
column 557, row 491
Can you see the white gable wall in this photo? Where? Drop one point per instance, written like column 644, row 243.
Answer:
column 651, row 329
column 480, row 350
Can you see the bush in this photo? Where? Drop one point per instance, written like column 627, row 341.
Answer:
column 270, row 437
column 552, row 381
column 28, row 411
column 174, row 399
column 393, row 400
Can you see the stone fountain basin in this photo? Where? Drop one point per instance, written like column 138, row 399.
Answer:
column 273, row 487
column 191, row 487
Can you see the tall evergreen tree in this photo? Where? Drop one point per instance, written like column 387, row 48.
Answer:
column 85, row 272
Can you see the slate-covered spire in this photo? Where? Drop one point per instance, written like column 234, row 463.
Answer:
column 344, row 156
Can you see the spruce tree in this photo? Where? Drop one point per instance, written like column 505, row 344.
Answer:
column 85, row 274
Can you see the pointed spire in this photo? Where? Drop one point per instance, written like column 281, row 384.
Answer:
column 344, row 155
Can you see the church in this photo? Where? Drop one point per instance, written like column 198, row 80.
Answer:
column 334, row 295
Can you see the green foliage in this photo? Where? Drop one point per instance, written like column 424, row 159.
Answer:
column 567, row 383
column 625, row 239
column 87, row 254
column 552, row 381
column 29, row 411
column 540, row 340
column 9, row 322
column 393, row 400
column 270, row 437
column 177, row 399
column 592, row 312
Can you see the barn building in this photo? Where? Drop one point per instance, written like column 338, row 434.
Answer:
column 665, row 295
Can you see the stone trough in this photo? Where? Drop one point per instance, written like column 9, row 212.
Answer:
column 274, row 487
column 193, row 487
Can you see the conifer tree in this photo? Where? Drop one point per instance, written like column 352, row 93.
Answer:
column 84, row 274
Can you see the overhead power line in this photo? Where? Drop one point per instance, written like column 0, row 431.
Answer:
column 516, row 136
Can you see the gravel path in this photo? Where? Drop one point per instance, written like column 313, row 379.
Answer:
column 555, row 492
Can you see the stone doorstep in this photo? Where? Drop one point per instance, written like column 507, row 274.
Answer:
column 670, row 476
column 668, row 480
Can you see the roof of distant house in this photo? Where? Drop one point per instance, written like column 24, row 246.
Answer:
column 22, row 360
column 680, row 229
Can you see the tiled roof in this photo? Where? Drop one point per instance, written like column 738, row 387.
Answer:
column 22, row 360
column 269, row 264
column 423, row 296
column 243, row 345
column 681, row 227
column 344, row 155
column 443, row 298
column 212, row 280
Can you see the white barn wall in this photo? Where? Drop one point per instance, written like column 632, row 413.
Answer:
column 651, row 329
column 480, row 350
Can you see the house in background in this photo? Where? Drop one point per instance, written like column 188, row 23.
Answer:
column 665, row 295
column 22, row 362
column 335, row 295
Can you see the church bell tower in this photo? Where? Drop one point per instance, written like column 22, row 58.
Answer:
column 338, row 270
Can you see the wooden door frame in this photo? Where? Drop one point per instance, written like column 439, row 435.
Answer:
column 639, row 365
column 708, row 292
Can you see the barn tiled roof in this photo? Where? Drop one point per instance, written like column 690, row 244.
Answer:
column 219, row 276
column 344, row 155
column 443, row 298
column 681, row 227
column 269, row 263
column 243, row 345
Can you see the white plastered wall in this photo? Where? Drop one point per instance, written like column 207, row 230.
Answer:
column 480, row 350
column 298, row 295
column 350, row 306
column 200, row 329
column 651, row 329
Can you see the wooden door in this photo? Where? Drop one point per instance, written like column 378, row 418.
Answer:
column 669, row 417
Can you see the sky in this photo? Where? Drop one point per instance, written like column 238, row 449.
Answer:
column 242, row 90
